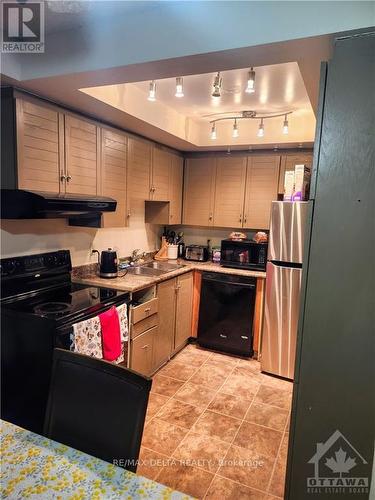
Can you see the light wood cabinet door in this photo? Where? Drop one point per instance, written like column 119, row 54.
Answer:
column 199, row 191
column 40, row 147
column 184, row 309
column 164, row 338
column 230, row 191
column 139, row 177
column 161, row 174
column 175, row 195
column 142, row 351
column 289, row 161
column 81, row 156
column 261, row 189
column 114, row 175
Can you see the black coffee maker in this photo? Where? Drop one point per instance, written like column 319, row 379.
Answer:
column 107, row 262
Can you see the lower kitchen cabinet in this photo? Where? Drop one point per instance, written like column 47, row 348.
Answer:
column 164, row 338
column 184, row 309
column 175, row 297
column 142, row 351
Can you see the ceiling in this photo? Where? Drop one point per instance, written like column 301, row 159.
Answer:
column 279, row 88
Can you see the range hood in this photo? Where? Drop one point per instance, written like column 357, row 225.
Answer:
column 82, row 210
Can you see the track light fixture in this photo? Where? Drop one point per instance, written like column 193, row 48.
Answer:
column 217, row 85
column 261, row 129
column 179, row 87
column 250, row 88
column 213, row 131
column 152, row 91
column 286, row 125
column 235, row 132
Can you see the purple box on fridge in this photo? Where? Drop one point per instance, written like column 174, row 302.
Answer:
column 302, row 176
column 288, row 185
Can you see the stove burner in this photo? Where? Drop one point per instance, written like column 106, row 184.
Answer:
column 52, row 308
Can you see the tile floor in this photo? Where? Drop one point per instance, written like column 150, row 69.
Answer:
column 217, row 428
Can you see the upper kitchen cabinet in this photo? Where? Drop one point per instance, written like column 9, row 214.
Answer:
column 81, row 156
column 160, row 174
column 139, row 176
column 40, row 147
column 199, row 191
column 175, row 189
column 289, row 161
column 114, row 175
column 261, row 189
column 230, row 191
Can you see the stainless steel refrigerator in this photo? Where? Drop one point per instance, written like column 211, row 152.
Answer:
column 283, row 287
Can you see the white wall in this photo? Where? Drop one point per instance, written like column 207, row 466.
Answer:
column 199, row 236
column 23, row 237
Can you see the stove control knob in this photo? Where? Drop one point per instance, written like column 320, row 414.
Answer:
column 8, row 267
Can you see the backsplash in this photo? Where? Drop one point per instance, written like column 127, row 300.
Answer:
column 23, row 237
column 199, row 235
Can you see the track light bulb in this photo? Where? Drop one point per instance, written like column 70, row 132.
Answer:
column 261, row 129
column 235, row 132
column 179, row 87
column 217, row 85
column 152, row 91
column 213, row 132
column 250, row 89
column 286, row 125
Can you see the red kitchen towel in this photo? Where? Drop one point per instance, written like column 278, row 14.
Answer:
column 111, row 338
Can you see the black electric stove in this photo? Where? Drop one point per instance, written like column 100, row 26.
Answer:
column 39, row 307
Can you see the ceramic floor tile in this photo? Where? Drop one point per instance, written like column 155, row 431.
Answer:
column 224, row 489
column 274, row 396
column 165, row 386
column 186, row 479
column 249, row 364
column 211, row 376
column 216, row 425
column 277, row 383
column 179, row 413
column 278, row 477
column 150, row 463
column 230, row 405
column 155, row 402
column 202, row 451
column 241, row 384
column 247, row 468
column 178, row 370
column 194, row 394
column 260, row 440
column 162, row 437
column 270, row 416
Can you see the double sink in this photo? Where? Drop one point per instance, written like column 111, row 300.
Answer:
column 154, row 268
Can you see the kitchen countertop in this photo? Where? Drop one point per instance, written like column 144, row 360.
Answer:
column 37, row 467
column 132, row 282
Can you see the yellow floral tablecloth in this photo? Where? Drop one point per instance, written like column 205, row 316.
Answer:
column 33, row 466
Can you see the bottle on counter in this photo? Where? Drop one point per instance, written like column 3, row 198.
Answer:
column 216, row 255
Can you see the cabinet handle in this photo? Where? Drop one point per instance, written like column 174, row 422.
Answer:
column 245, row 219
column 62, row 177
column 128, row 214
column 145, row 346
column 148, row 309
column 210, row 217
column 240, row 217
column 68, row 178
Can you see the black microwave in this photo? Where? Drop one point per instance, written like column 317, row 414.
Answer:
column 244, row 254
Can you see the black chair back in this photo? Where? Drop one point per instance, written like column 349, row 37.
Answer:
column 97, row 407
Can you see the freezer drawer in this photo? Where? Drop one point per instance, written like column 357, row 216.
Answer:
column 226, row 313
column 288, row 220
column 278, row 349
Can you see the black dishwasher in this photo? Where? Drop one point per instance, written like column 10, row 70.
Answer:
column 226, row 313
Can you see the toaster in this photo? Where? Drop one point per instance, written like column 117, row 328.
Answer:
column 196, row 252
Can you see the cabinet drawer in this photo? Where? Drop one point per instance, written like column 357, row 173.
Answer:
column 141, row 352
column 144, row 310
column 143, row 325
